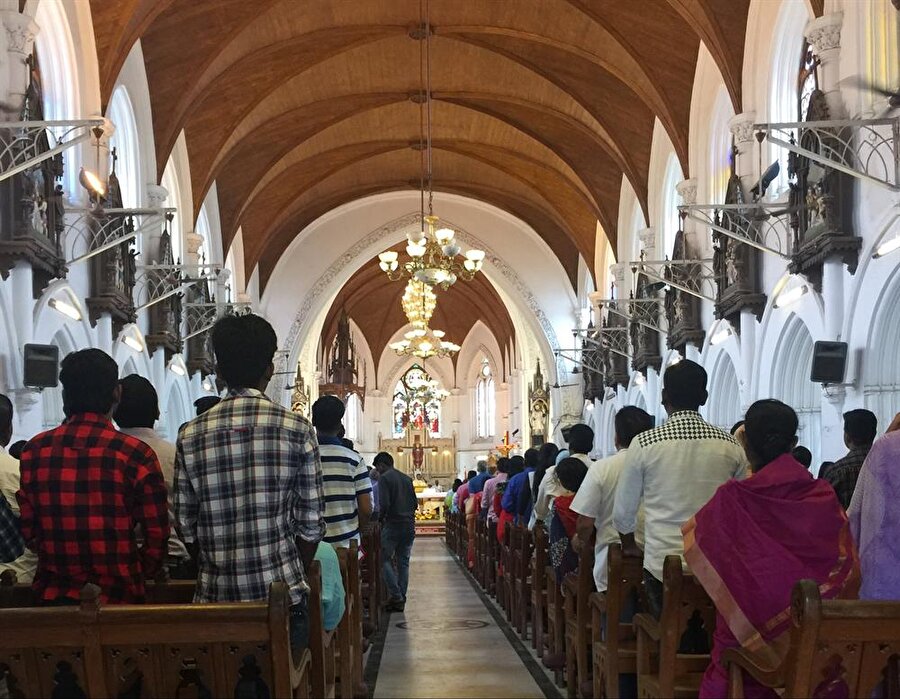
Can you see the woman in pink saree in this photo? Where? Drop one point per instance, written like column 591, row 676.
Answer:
column 751, row 543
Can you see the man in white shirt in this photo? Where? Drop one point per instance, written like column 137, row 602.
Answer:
column 597, row 494
column 581, row 442
column 25, row 565
column 675, row 468
column 135, row 415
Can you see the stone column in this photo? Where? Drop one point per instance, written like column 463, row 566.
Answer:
column 647, row 236
column 156, row 199
column 741, row 127
column 824, row 35
column 698, row 245
column 16, row 44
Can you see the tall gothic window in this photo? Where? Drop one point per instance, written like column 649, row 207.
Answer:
column 353, row 418
column 414, row 404
column 485, row 402
column 669, row 213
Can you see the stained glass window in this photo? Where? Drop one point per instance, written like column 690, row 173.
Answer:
column 414, row 403
column 485, row 403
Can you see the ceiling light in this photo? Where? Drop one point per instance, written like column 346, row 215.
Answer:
column 91, row 182
column 639, row 380
column 424, row 342
column 720, row 337
column 67, row 309
column 207, row 385
column 786, row 298
column 133, row 343
column 888, row 247
column 177, row 369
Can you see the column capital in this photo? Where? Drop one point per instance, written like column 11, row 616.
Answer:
column 687, row 190
column 21, row 31
column 618, row 270
column 192, row 242
column 647, row 236
column 824, row 33
column 741, row 127
column 156, row 195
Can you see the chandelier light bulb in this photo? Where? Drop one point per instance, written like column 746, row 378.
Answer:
column 415, row 250
column 444, row 235
column 451, row 249
column 475, row 255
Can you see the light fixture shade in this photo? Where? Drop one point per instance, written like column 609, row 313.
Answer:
column 414, row 250
column 451, row 249
column 388, row 256
column 444, row 235
column 416, row 237
column 67, row 309
column 91, row 182
column 475, row 255
column 133, row 343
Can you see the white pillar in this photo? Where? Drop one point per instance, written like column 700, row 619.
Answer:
column 741, row 127
column 824, row 34
column 647, row 236
column 699, row 245
column 16, row 44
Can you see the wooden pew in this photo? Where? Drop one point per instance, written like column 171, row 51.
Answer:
column 492, row 556
column 510, row 541
column 539, row 564
column 522, row 581
column 322, row 643
column 614, row 645
column 577, row 589
column 662, row 670
column 13, row 594
column 219, row 650
column 555, row 637
column 837, row 648
column 349, row 631
column 372, row 585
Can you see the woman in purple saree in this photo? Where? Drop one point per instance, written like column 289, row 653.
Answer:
column 751, row 543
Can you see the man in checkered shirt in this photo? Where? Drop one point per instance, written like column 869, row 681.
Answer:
column 11, row 544
column 86, row 488
column 248, row 481
column 674, row 470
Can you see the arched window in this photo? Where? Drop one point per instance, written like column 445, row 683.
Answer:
column 485, row 402
column 353, row 418
column 170, row 182
column 668, row 216
column 637, row 224
column 807, row 80
column 125, row 141
column 417, row 403
column 720, row 151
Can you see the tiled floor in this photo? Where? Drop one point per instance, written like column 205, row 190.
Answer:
column 453, row 647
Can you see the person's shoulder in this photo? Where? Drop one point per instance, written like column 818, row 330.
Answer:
column 687, row 429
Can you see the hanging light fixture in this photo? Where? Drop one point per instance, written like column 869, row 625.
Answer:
column 435, row 256
column 424, row 343
column 418, row 302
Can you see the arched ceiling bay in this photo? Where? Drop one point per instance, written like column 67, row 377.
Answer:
column 372, row 301
column 540, row 106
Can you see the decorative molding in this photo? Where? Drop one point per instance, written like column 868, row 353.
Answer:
column 647, row 236
column 687, row 190
column 21, row 31
column 824, row 33
column 156, row 196
column 741, row 127
column 193, row 242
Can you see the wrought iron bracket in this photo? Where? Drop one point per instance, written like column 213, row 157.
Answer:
column 110, row 232
column 764, row 226
column 20, row 142
column 571, row 355
column 636, row 312
column 868, row 149
column 156, row 283
column 699, row 272
column 200, row 317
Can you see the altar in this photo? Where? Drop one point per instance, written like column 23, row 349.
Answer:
column 431, row 506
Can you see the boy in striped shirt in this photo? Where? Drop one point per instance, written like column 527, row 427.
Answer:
column 345, row 476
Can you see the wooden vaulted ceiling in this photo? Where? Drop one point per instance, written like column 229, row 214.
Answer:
column 540, row 106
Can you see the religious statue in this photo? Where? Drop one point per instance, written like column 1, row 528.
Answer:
column 539, row 407
column 418, row 453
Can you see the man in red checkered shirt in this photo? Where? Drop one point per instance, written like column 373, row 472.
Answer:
column 85, row 488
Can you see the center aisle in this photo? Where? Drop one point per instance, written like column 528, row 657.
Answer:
column 447, row 643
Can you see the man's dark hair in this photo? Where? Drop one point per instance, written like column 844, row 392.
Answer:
column 503, row 464
column 803, row 455
column 861, row 427
column 581, row 439
column 571, row 473
column 470, row 475
column 15, row 449
column 206, row 403
column 89, row 378
column 630, row 422
column 384, row 459
column 456, row 483
column 348, row 444
column 532, row 458
column 244, row 346
column 139, row 404
column 6, row 420
column 736, row 426
column 770, row 427
column 684, row 386
column 516, row 465
column 327, row 413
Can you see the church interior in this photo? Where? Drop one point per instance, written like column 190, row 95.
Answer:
column 477, row 222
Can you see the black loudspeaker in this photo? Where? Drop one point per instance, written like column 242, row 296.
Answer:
column 41, row 366
column 829, row 362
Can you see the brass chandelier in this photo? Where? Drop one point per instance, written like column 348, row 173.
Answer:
column 419, row 302
column 434, row 253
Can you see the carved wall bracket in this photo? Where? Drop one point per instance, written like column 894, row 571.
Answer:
column 694, row 277
column 24, row 144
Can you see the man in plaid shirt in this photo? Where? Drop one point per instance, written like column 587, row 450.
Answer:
column 248, row 482
column 85, row 487
column 11, row 544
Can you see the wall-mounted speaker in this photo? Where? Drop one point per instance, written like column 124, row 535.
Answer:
column 41, row 366
column 829, row 363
